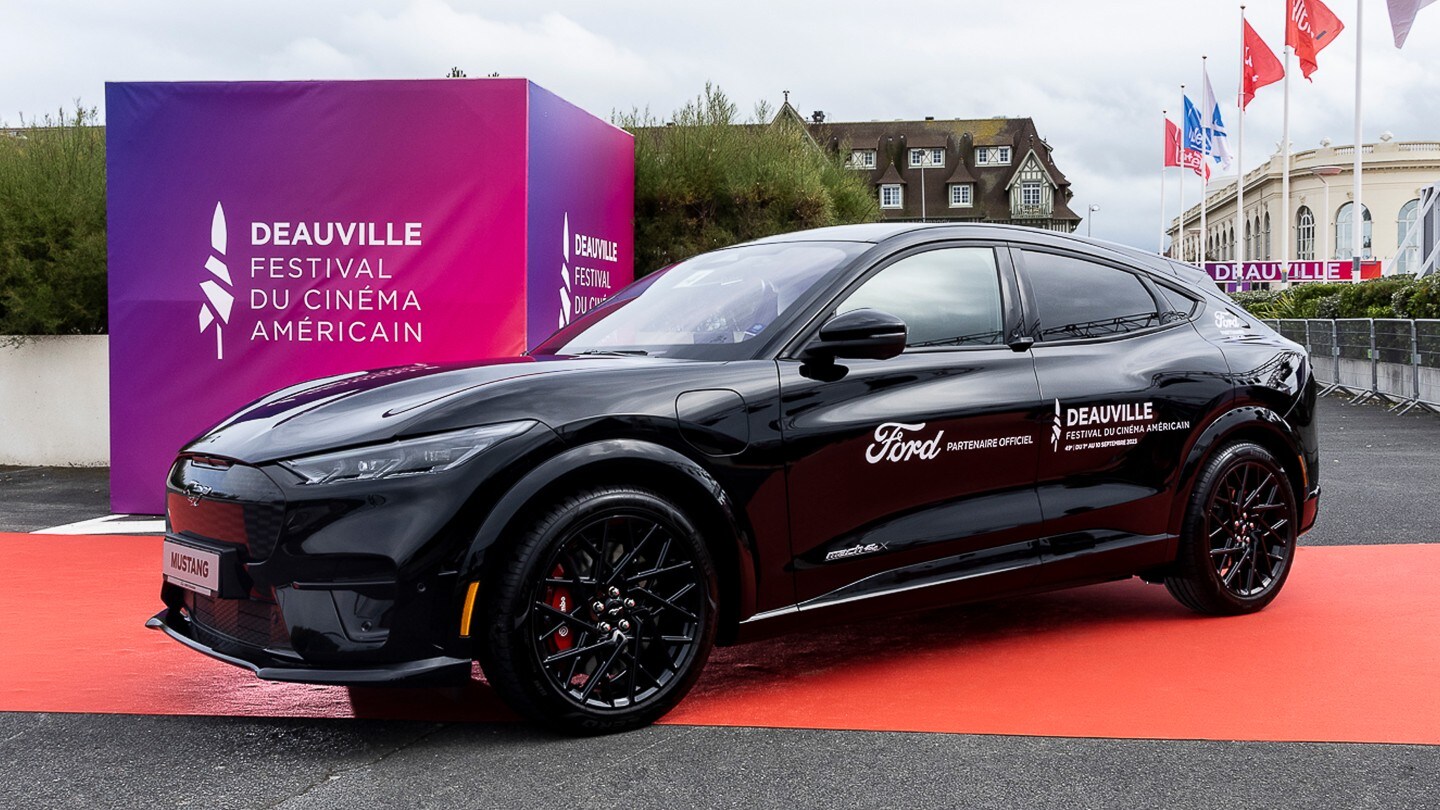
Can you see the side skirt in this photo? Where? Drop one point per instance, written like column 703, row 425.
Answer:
column 1034, row 566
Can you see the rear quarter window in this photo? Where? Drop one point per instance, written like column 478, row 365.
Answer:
column 1077, row 298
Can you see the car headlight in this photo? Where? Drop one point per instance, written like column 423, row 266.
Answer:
column 418, row 456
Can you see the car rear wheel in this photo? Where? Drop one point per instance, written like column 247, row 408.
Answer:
column 1238, row 540
column 603, row 614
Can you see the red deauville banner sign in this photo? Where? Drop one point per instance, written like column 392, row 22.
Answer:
column 1253, row 272
column 266, row 233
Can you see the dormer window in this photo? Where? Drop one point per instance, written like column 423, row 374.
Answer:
column 892, row 195
column 962, row 195
column 992, row 156
column 861, row 159
column 927, row 158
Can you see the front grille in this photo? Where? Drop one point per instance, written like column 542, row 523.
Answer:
column 228, row 624
column 234, row 504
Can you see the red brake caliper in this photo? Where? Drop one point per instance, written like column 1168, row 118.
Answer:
column 558, row 597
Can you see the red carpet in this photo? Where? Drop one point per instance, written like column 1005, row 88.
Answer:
column 1349, row 652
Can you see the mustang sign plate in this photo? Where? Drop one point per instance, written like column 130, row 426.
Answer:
column 191, row 568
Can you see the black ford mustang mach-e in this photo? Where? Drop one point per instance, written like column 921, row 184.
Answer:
column 809, row 428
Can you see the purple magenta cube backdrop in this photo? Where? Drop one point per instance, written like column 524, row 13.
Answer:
column 266, row 233
column 580, row 251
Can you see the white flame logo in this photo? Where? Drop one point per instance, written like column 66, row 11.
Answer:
column 565, row 278
column 1055, row 429
column 218, row 300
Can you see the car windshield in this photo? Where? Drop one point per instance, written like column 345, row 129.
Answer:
column 713, row 306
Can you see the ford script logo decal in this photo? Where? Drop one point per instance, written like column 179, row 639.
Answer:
column 891, row 443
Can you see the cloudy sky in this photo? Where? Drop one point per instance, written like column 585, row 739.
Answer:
column 1094, row 74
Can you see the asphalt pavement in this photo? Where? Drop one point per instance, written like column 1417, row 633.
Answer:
column 79, row 761
column 40, row 497
column 1381, row 482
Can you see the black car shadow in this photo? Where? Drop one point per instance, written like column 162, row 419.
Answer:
column 968, row 630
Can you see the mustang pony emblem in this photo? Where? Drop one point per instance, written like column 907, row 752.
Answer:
column 194, row 491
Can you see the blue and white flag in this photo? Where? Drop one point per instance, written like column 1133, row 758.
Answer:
column 1194, row 129
column 1215, row 132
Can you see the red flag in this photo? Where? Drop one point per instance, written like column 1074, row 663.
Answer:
column 1261, row 66
column 1176, row 155
column 1195, row 161
column 1310, row 28
column 1172, row 144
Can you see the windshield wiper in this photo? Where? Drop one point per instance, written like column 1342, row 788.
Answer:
column 615, row 352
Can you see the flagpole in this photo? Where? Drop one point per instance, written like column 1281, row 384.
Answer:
column 1164, row 139
column 1205, row 162
column 1285, row 169
column 1240, row 155
column 1358, row 211
column 1180, row 229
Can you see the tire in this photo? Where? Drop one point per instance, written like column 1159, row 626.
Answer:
column 557, row 659
column 1237, row 543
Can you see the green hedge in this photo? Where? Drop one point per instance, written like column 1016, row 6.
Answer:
column 52, row 227
column 1391, row 297
column 703, row 183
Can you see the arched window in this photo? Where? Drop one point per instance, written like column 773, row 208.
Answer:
column 1267, row 236
column 1230, row 242
column 1249, row 241
column 1408, row 259
column 1254, row 251
column 1344, row 230
column 1305, row 234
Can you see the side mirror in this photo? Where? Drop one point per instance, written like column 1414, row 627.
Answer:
column 863, row 334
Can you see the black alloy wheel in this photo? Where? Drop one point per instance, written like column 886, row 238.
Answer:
column 605, row 613
column 1239, row 535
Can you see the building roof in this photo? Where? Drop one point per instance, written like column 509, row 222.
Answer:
column 959, row 137
column 960, row 175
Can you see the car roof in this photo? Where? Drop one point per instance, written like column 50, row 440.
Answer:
column 882, row 232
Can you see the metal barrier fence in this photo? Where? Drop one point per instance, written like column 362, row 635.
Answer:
column 1389, row 359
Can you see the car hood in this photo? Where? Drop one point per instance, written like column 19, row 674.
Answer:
column 374, row 406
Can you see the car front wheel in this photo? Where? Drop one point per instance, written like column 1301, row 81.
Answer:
column 604, row 612
column 1238, row 540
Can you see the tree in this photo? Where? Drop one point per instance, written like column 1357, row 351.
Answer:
column 705, row 180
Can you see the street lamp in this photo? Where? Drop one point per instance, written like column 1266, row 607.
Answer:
column 1089, row 220
column 1323, row 172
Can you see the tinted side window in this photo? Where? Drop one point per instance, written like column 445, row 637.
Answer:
column 1183, row 304
column 1079, row 298
column 947, row 297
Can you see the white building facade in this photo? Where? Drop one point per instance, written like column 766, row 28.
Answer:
column 1321, row 207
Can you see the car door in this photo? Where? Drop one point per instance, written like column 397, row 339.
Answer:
column 917, row 470
column 1127, row 381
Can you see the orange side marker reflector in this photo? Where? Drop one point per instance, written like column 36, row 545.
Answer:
column 469, row 610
